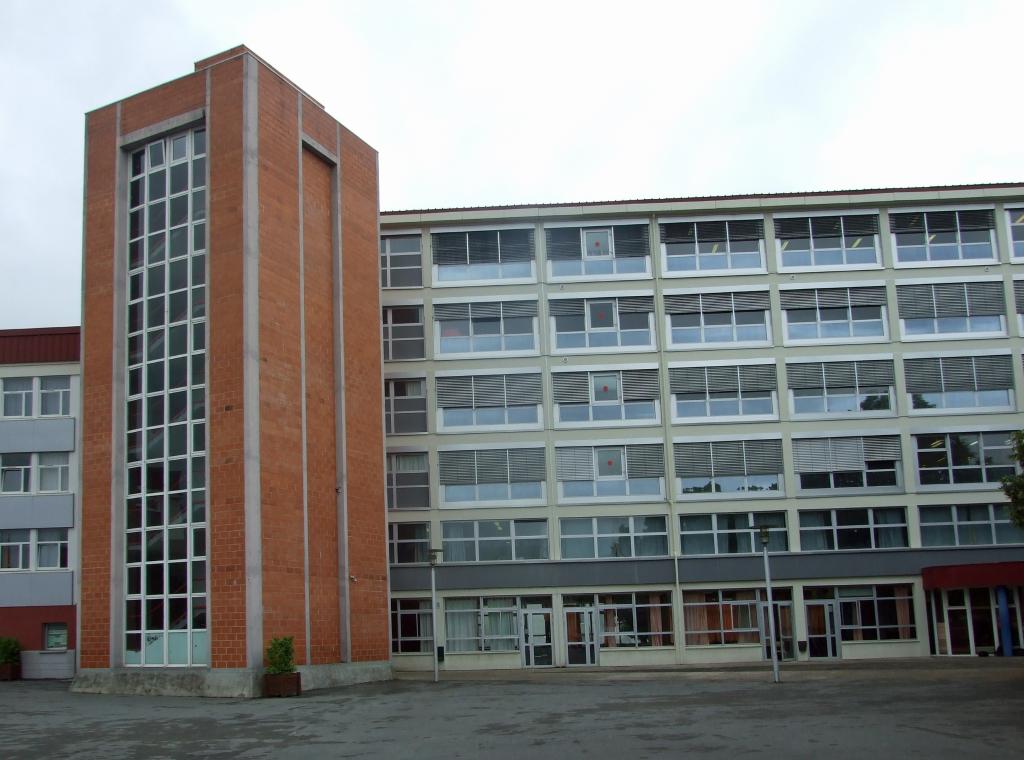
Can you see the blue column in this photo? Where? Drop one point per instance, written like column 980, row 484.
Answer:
column 1005, row 633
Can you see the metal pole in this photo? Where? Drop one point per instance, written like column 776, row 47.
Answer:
column 771, row 605
column 433, row 607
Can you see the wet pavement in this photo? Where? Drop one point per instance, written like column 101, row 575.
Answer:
column 932, row 708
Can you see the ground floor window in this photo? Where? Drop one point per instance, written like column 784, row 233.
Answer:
column 411, row 626
column 55, row 635
column 482, row 624
column 871, row 613
column 968, row 621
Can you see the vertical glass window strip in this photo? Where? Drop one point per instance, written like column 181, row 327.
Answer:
column 165, row 501
column 1016, row 217
column 400, row 263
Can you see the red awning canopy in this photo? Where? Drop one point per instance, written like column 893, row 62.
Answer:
column 974, row 576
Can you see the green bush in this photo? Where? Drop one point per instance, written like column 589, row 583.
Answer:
column 10, row 651
column 281, row 655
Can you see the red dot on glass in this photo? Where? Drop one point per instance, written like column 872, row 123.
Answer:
column 605, row 389
column 609, row 463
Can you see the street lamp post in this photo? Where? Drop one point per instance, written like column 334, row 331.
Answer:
column 771, row 605
column 435, row 557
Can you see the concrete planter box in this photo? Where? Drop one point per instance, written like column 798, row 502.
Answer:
column 282, row 684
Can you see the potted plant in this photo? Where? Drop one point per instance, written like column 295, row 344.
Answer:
column 280, row 678
column 10, row 659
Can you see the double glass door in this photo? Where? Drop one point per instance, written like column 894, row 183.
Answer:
column 822, row 629
column 784, row 639
column 581, row 636
column 537, row 646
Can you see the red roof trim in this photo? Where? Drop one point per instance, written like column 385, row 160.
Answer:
column 711, row 198
column 40, row 345
column 982, row 575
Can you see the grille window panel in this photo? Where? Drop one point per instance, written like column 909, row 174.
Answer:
column 834, row 313
column 405, row 406
column 718, row 318
column 621, row 249
column 723, row 391
column 400, row 261
column 828, row 241
column 727, row 467
column 491, row 475
column 851, row 387
column 849, row 462
column 628, row 396
column 853, row 529
column 483, row 254
column 713, row 245
column 951, row 382
column 608, row 472
column 610, row 537
column 614, row 322
column 732, row 532
column 486, row 327
column 952, row 308
column 943, row 236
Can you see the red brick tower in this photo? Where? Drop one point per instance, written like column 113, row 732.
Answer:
column 232, row 486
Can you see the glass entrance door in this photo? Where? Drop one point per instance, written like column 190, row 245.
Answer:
column 784, row 639
column 581, row 636
column 537, row 647
column 822, row 640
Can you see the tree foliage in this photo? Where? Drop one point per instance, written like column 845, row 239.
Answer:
column 1013, row 485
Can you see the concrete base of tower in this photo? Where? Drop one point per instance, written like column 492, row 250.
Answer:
column 244, row 683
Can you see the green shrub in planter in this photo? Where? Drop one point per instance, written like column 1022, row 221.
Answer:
column 10, row 659
column 281, row 655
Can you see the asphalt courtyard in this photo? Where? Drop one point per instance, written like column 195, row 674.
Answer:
column 932, row 708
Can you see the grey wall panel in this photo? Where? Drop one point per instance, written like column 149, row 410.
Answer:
column 43, row 664
column 810, row 565
column 51, row 434
column 535, row 575
column 42, row 511
column 717, row 570
column 44, row 589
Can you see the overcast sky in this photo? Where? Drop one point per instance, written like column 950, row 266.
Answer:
column 477, row 103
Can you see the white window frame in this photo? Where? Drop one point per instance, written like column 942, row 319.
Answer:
column 477, row 502
column 837, row 340
column 513, row 538
column 713, row 419
column 386, row 254
column 588, row 330
column 395, row 541
column 961, row 408
column 959, row 335
column 423, row 614
column 998, row 516
column 391, row 415
column 729, row 495
column 1008, row 217
column 392, row 487
column 858, row 393
column 718, row 533
column 615, row 276
column 29, row 550
column 667, row 273
column 673, row 345
column 958, row 262
column 388, row 324
column 595, row 497
column 861, row 267
column 477, row 281
column 833, row 529
column 633, row 536
column 984, row 484
column 510, row 352
column 509, row 612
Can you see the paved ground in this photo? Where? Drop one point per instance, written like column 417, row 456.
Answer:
column 934, row 709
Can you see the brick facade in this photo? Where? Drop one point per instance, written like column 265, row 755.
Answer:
column 288, row 231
